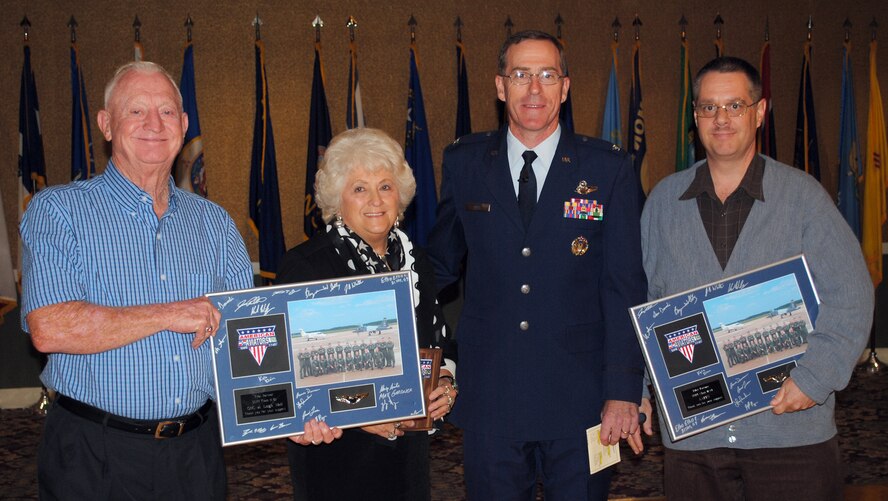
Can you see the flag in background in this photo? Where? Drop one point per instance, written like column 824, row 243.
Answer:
column 849, row 149
column 32, row 166
column 636, row 135
column 875, row 179
column 83, row 165
column 8, row 297
column 566, row 115
column 767, row 138
column 806, row 156
column 354, row 108
column 685, row 138
column 319, row 134
column 265, row 203
column 420, row 214
column 611, row 128
column 190, row 164
column 463, row 111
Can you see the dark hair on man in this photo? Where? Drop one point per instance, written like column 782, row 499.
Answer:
column 729, row 64
column 530, row 35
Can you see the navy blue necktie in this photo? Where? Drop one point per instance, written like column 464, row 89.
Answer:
column 527, row 188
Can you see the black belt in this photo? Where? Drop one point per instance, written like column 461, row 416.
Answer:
column 160, row 429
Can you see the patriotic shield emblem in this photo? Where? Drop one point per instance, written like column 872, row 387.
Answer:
column 683, row 341
column 257, row 340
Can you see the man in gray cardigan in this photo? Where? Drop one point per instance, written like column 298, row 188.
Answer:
column 733, row 212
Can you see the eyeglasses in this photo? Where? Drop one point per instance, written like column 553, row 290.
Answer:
column 522, row 77
column 733, row 110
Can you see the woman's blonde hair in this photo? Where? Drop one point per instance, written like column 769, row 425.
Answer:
column 371, row 149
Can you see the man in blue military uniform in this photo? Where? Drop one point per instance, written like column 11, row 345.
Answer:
column 548, row 222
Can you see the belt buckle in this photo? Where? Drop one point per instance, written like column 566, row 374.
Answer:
column 162, row 427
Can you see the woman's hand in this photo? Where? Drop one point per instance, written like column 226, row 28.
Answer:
column 441, row 399
column 391, row 430
column 316, row 432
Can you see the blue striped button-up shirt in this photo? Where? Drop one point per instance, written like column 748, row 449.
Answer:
column 100, row 241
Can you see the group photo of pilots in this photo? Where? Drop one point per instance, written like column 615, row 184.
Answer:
column 776, row 338
column 345, row 357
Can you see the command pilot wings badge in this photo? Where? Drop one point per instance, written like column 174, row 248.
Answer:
column 351, row 399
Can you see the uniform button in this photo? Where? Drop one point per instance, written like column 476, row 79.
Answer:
column 178, row 401
column 732, row 439
column 176, row 358
column 525, row 289
column 524, row 325
column 163, row 276
column 525, row 252
column 732, row 428
column 158, row 236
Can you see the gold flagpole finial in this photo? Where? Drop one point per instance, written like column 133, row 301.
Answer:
column 719, row 23
column 137, row 29
column 509, row 25
column 72, row 24
column 559, row 22
column 189, row 24
column 637, row 24
column 810, row 26
column 257, row 23
column 317, row 23
column 458, row 24
column 26, row 26
column 352, row 25
column 684, row 27
column 616, row 28
column 412, row 24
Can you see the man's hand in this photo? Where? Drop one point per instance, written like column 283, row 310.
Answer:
column 196, row 315
column 790, row 398
column 634, row 440
column 619, row 420
column 317, row 432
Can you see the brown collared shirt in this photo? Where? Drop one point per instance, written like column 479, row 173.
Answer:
column 724, row 221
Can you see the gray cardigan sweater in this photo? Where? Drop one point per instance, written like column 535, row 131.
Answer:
column 796, row 217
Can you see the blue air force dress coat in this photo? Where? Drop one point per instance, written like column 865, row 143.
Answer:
column 544, row 336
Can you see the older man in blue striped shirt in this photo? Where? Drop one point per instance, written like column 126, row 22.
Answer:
column 114, row 273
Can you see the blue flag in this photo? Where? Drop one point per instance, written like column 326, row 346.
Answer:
column 31, row 162
column 354, row 112
column 849, row 150
column 83, row 165
column 806, row 156
column 319, row 134
column 611, row 128
column 566, row 115
column 265, row 203
column 463, row 112
column 420, row 215
column 190, row 164
column 636, row 135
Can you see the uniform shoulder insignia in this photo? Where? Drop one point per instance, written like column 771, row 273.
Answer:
column 470, row 139
column 598, row 143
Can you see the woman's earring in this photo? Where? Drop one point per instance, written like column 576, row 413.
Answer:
column 338, row 221
column 398, row 220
